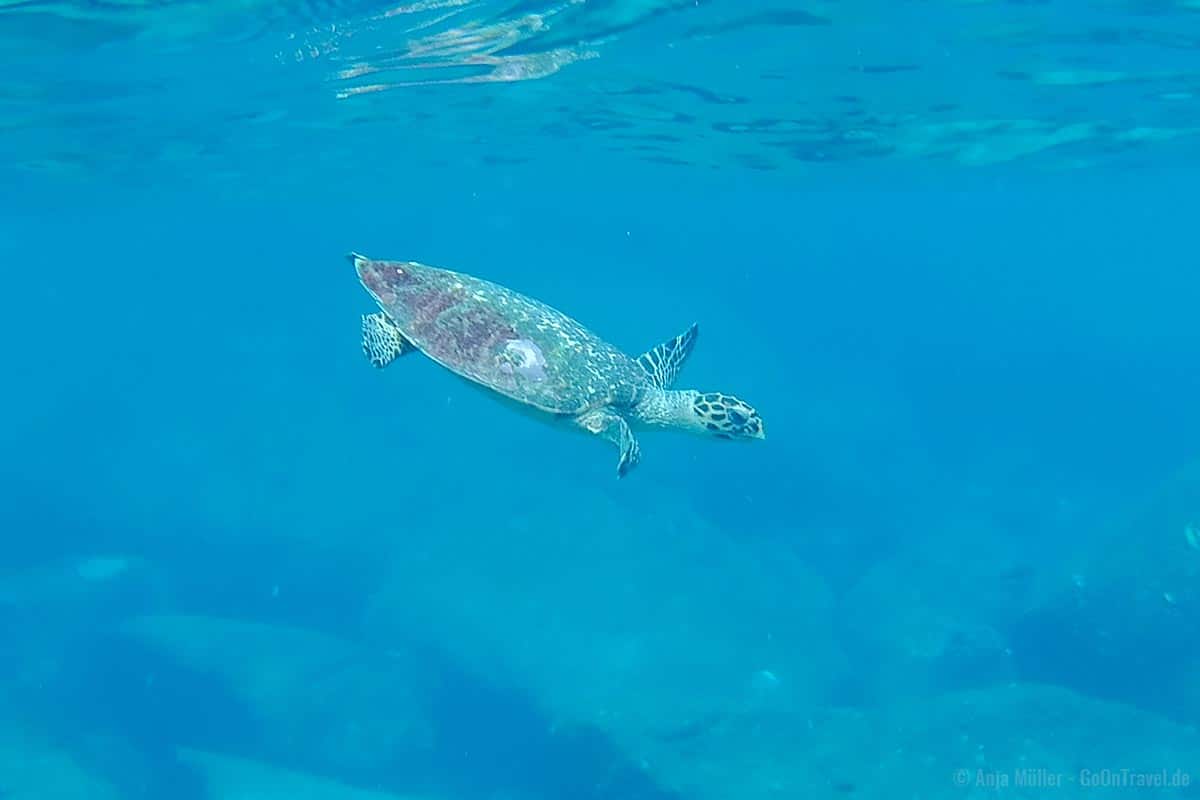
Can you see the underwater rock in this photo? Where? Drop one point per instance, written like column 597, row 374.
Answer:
column 82, row 591
column 936, row 614
column 49, row 610
column 911, row 633
column 1029, row 740
column 1124, row 622
column 636, row 619
column 228, row 777
column 311, row 695
column 31, row 769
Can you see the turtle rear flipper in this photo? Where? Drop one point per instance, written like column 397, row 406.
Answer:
column 663, row 363
column 382, row 342
column 612, row 426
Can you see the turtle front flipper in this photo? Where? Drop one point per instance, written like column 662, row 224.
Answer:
column 382, row 342
column 612, row 426
column 663, row 363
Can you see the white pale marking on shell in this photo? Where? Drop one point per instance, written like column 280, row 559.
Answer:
column 525, row 358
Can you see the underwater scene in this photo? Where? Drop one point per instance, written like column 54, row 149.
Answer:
column 599, row 399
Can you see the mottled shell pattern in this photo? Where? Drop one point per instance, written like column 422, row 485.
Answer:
column 501, row 339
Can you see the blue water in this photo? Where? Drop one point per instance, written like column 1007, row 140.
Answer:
column 946, row 249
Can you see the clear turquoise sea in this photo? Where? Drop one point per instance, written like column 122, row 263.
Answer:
column 946, row 249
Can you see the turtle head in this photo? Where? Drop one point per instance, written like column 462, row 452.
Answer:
column 710, row 413
column 726, row 416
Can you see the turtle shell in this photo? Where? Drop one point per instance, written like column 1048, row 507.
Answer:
column 501, row 339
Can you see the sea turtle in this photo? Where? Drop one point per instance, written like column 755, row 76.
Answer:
column 533, row 354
